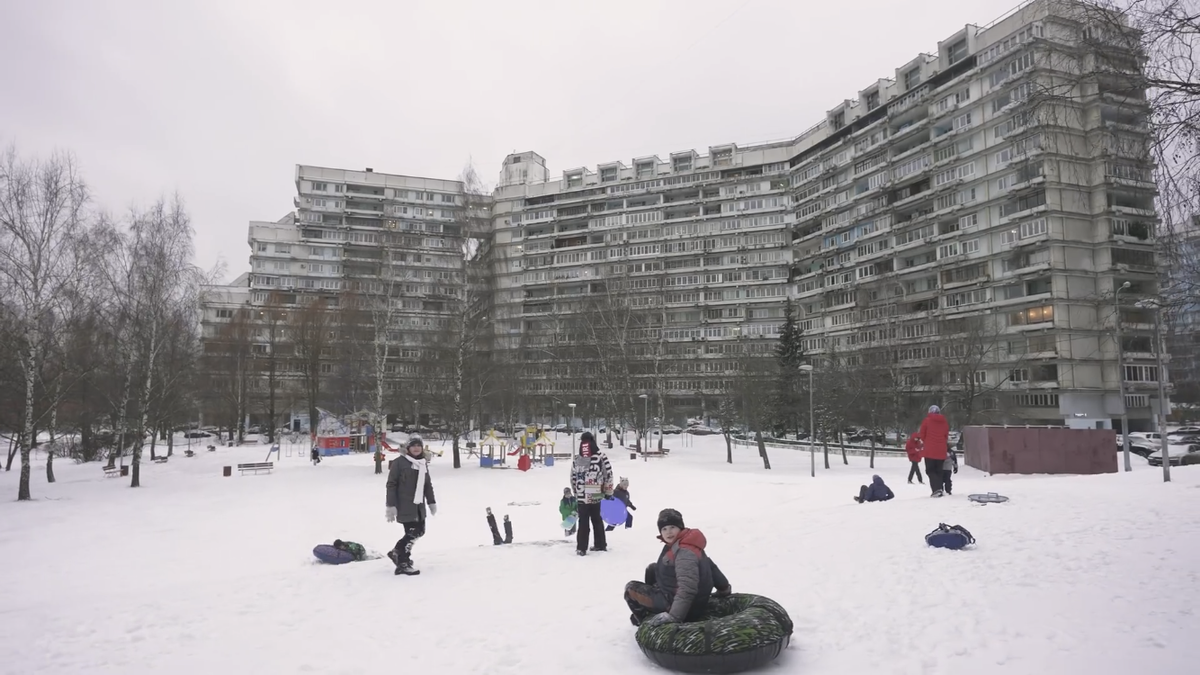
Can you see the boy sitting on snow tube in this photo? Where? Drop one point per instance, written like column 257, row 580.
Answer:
column 677, row 587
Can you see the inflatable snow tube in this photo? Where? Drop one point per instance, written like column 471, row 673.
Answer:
column 739, row 632
column 953, row 537
column 327, row 553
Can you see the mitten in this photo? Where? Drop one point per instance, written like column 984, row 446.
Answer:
column 659, row 619
column 956, row 469
column 433, row 509
column 391, row 514
column 725, row 591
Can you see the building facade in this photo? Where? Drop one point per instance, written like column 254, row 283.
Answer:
column 962, row 225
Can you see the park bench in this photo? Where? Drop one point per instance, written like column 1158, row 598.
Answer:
column 112, row 471
column 160, row 460
column 256, row 467
column 189, row 453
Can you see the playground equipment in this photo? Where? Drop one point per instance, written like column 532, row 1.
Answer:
column 343, row 435
column 532, row 445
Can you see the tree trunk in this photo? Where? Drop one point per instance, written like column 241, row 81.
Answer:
column 53, row 429
column 762, row 450
column 842, row 442
column 153, row 445
column 122, row 414
column 872, row 442
column 728, row 448
column 825, row 446
column 31, row 363
column 14, row 444
column 170, row 443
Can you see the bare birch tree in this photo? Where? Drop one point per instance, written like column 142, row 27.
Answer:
column 42, row 210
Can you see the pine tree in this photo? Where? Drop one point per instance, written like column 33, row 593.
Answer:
column 790, row 356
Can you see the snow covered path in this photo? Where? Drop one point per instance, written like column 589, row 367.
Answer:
column 197, row 574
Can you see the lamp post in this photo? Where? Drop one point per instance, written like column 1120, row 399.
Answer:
column 812, row 429
column 1121, row 375
column 416, row 417
column 645, row 423
column 571, row 424
column 1162, row 388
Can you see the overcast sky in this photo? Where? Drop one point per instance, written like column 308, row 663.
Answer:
column 220, row 99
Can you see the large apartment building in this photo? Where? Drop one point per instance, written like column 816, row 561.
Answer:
column 965, row 220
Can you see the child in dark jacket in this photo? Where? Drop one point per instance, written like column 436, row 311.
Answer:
column 566, row 509
column 878, row 491
column 409, row 497
column 950, row 467
column 622, row 493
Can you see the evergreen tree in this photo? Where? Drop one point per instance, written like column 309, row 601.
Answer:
column 790, row 356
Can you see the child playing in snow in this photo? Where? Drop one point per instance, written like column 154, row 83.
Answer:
column 409, row 493
column 950, row 467
column 622, row 493
column 566, row 509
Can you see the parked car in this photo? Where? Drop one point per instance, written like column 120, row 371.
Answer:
column 1179, row 453
column 672, row 429
column 1184, row 431
column 1139, row 449
column 197, row 434
column 700, row 430
column 1146, row 438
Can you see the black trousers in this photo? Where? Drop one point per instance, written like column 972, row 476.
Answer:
column 645, row 599
column 412, row 532
column 933, row 469
column 915, row 471
column 947, row 480
column 589, row 520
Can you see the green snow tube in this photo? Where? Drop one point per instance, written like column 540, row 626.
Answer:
column 739, row 632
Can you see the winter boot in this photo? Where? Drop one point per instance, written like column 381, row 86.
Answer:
column 580, row 553
column 407, row 568
column 507, row 530
column 601, row 550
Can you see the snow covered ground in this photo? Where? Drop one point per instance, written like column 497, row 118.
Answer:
column 200, row 574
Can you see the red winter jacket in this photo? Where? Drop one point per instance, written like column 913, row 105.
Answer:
column 934, row 435
column 913, row 448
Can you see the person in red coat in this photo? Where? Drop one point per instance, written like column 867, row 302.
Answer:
column 913, row 448
column 934, row 435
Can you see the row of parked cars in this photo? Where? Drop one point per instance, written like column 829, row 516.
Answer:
column 1183, row 445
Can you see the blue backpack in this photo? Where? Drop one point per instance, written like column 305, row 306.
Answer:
column 953, row 537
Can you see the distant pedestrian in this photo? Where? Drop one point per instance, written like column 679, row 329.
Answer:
column 949, row 468
column 913, row 448
column 591, row 481
column 934, row 435
column 877, row 491
column 622, row 493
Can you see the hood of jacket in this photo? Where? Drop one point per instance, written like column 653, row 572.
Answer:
column 689, row 539
column 876, row 480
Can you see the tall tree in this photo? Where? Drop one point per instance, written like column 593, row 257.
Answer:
column 42, row 210
column 790, row 356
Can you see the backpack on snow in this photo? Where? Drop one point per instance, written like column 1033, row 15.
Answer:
column 953, row 537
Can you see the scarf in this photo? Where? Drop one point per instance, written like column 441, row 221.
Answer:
column 422, row 468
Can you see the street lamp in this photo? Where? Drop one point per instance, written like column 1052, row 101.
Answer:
column 416, row 418
column 1121, row 375
column 812, row 429
column 571, row 424
column 1162, row 388
column 645, row 423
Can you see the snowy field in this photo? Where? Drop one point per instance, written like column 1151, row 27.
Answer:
column 197, row 574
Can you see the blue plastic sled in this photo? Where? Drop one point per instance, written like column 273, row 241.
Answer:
column 570, row 521
column 613, row 511
column 954, row 537
column 326, row 553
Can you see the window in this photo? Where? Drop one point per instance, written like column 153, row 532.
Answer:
column 282, row 248
column 948, row 250
column 970, row 246
column 608, row 174
column 320, row 187
column 224, row 313
column 968, row 221
column 912, row 78
column 957, row 51
column 962, row 121
column 1033, row 228
column 1025, row 317
column 1141, row 373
